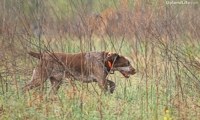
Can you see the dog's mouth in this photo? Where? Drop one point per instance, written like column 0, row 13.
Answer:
column 125, row 74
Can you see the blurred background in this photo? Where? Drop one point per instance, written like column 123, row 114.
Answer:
column 162, row 38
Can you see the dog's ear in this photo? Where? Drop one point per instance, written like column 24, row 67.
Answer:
column 112, row 56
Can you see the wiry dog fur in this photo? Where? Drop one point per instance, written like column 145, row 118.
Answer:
column 85, row 67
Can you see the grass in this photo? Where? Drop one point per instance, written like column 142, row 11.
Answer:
column 167, row 89
column 161, row 40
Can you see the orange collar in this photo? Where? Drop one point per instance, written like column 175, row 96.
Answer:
column 109, row 64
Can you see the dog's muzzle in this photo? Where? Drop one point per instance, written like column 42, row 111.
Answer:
column 125, row 71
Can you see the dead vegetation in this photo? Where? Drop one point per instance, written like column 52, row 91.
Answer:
column 162, row 40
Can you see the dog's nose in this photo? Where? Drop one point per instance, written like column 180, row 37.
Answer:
column 135, row 71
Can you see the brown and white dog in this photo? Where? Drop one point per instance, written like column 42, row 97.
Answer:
column 86, row 67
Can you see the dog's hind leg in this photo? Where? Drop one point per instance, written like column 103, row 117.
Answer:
column 38, row 78
column 56, row 81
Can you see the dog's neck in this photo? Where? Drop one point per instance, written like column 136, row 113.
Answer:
column 101, row 57
column 96, row 55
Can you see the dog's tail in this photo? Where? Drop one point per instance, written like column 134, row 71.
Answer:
column 34, row 54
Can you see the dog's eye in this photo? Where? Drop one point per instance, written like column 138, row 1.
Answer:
column 128, row 63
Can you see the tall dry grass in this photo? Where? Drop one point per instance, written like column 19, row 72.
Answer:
column 162, row 40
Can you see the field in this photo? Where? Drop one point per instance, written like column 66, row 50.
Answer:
column 162, row 38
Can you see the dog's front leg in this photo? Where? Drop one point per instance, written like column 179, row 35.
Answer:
column 112, row 85
column 103, row 84
column 100, row 75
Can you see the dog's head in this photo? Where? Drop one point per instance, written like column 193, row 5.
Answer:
column 119, row 63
